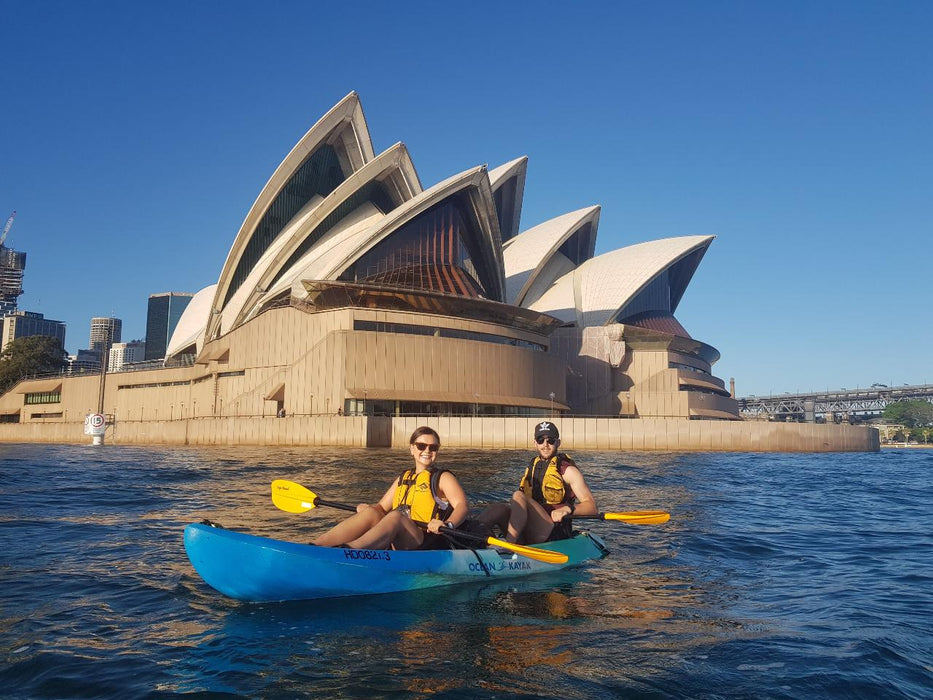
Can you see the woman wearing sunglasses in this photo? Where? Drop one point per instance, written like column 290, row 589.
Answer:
column 550, row 492
column 421, row 500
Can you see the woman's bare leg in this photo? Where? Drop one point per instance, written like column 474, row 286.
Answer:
column 351, row 528
column 395, row 528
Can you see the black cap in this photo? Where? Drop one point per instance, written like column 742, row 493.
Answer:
column 547, row 429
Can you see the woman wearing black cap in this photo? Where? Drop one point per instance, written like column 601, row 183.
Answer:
column 551, row 491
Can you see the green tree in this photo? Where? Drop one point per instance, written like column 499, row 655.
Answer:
column 27, row 357
column 915, row 413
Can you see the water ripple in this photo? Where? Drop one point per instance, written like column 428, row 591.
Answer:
column 784, row 576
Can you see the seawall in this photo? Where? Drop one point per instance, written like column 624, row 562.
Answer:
column 624, row 434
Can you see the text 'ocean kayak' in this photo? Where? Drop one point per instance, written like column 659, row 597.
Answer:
column 260, row 569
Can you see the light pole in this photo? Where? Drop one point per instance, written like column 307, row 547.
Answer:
column 551, row 397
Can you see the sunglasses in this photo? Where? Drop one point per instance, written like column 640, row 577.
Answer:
column 550, row 441
column 422, row 446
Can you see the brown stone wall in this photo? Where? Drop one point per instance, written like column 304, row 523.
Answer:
column 311, row 360
column 610, row 434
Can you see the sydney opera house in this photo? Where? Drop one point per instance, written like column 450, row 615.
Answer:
column 351, row 291
column 350, row 288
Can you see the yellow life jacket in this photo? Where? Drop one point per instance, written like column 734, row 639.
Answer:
column 419, row 492
column 544, row 481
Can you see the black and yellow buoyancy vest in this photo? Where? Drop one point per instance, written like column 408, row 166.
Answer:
column 420, row 493
column 544, row 481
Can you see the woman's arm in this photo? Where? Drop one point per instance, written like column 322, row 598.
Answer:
column 452, row 492
column 385, row 503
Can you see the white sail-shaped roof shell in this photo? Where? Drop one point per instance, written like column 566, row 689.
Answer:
column 339, row 244
column 392, row 167
column 247, row 290
column 594, row 293
column 190, row 327
column 345, row 126
column 533, row 255
column 474, row 183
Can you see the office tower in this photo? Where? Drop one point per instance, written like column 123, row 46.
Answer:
column 125, row 353
column 21, row 324
column 104, row 333
column 164, row 311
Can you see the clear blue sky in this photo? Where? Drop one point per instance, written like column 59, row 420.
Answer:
column 134, row 138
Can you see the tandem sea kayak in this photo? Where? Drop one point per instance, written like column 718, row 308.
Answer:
column 260, row 569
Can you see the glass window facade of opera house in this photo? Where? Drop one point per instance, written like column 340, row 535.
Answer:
column 432, row 252
column 350, row 289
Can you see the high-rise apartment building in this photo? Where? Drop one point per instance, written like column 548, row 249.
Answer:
column 21, row 324
column 125, row 353
column 164, row 311
column 12, row 265
column 104, row 333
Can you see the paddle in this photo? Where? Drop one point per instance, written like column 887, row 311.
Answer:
column 295, row 498
column 635, row 517
column 544, row 555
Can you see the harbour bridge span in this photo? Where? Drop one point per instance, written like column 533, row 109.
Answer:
column 842, row 404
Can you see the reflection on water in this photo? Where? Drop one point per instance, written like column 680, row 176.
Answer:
column 773, row 570
column 547, row 604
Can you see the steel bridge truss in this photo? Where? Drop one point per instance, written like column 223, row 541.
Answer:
column 861, row 403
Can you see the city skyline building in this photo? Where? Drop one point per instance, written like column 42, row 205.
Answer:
column 105, row 331
column 12, row 268
column 122, row 354
column 22, row 324
column 164, row 311
column 84, row 362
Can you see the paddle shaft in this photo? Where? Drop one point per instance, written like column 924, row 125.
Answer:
column 544, row 555
column 332, row 504
column 638, row 517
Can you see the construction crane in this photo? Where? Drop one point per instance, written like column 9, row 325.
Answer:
column 6, row 229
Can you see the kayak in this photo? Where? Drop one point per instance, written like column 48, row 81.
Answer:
column 260, row 569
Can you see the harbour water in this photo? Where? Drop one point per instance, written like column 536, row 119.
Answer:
column 779, row 575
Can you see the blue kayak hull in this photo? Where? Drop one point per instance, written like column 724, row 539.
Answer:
column 260, row 569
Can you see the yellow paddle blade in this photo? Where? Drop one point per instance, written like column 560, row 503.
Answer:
column 640, row 517
column 544, row 555
column 292, row 497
